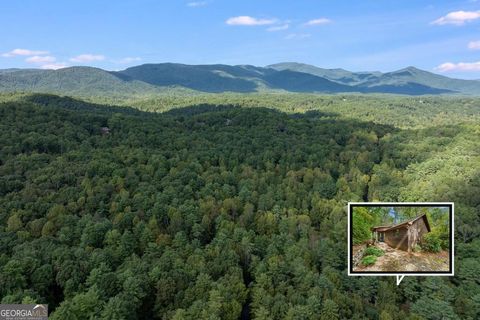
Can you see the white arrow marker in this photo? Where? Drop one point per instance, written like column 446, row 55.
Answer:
column 399, row 278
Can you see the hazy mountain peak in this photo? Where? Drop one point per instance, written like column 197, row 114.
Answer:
column 287, row 76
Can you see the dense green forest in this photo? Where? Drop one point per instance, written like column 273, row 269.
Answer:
column 228, row 206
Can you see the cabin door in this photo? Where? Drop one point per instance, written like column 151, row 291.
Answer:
column 381, row 237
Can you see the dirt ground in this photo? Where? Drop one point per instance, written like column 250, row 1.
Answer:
column 399, row 260
column 355, row 249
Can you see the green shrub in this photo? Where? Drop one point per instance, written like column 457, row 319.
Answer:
column 417, row 248
column 361, row 223
column 431, row 242
column 369, row 260
column 445, row 241
column 373, row 251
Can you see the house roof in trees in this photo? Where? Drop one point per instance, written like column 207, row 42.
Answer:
column 403, row 224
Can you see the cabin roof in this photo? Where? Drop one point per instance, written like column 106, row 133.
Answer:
column 403, row 224
column 380, row 228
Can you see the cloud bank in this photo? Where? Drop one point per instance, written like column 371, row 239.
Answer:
column 249, row 21
column 460, row 66
column 474, row 45
column 317, row 22
column 457, row 18
column 23, row 52
column 54, row 66
column 40, row 59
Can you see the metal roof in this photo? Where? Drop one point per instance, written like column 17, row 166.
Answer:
column 403, row 224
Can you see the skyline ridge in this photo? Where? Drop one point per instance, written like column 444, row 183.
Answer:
column 243, row 65
column 216, row 78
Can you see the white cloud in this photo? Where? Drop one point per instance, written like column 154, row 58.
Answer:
column 23, row 52
column 249, row 21
column 279, row 28
column 195, row 4
column 317, row 22
column 128, row 60
column 474, row 45
column 54, row 66
column 460, row 66
column 88, row 58
column 40, row 59
column 457, row 18
column 292, row 36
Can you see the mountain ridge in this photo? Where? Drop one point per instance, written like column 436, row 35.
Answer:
column 405, row 75
column 156, row 78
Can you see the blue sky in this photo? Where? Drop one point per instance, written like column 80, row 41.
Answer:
column 440, row 36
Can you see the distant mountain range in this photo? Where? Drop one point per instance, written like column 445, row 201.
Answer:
column 292, row 77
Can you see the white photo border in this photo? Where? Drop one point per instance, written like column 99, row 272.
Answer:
column 449, row 273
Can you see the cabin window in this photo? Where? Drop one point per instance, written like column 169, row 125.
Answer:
column 397, row 233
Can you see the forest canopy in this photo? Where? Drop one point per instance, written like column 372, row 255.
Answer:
column 224, row 207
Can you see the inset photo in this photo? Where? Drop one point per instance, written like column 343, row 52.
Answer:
column 400, row 238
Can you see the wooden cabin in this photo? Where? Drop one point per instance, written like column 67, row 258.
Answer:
column 404, row 235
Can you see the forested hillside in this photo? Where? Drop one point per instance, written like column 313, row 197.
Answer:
column 159, row 78
column 228, row 207
column 376, row 80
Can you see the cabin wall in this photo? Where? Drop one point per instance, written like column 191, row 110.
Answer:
column 422, row 227
column 397, row 238
column 418, row 229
